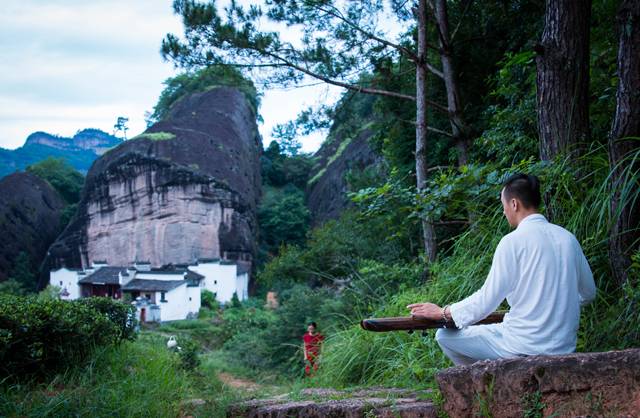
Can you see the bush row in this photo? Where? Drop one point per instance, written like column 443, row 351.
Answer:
column 39, row 336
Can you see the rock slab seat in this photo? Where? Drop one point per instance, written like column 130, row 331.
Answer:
column 572, row 385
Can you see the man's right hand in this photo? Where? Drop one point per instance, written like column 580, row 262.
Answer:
column 426, row 310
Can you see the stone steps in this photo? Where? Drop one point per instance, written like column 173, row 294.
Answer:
column 328, row 403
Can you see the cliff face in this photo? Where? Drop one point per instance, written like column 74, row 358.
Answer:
column 185, row 189
column 30, row 212
column 80, row 151
column 327, row 188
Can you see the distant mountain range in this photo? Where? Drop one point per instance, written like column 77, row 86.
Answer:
column 80, row 151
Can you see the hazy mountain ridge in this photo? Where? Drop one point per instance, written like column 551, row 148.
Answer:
column 80, row 151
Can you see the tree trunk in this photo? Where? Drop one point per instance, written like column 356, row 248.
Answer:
column 563, row 77
column 459, row 128
column 428, row 232
column 625, row 211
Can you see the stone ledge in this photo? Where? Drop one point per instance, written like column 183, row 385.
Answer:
column 329, row 403
column 579, row 384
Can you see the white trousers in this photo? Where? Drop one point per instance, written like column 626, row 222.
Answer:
column 474, row 343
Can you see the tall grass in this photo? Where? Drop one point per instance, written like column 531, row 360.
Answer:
column 135, row 379
column 580, row 195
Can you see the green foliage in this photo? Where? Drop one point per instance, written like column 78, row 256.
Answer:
column 62, row 177
column 23, row 272
column 283, row 218
column 188, row 353
column 208, row 299
column 119, row 314
column 533, row 406
column 201, row 80
column 512, row 133
column 279, row 168
column 11, row 287
column 134, row 379
column 282, row 214
column 157, row 136
column 332, row 250
column 40, row 335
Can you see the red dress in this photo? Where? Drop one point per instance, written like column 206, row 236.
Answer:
column 312, row 346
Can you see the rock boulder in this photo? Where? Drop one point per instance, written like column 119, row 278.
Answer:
column 30, row 211
column 185, row 189
column 572, row 385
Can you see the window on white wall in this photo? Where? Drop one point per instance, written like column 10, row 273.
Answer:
column 162, row 296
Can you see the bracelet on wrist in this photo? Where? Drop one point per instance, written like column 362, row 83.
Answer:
column 444, row 313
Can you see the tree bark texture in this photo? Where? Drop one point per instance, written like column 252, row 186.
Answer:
column 625, row 210
column 459, row 128
column 563, row 77
column 428, row 232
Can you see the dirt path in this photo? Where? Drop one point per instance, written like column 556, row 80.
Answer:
column 237, row 383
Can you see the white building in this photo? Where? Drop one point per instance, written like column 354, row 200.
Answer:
column 171, row 292
column 175, row 291
column 224, row 278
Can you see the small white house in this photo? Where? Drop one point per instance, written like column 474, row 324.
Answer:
column 176, row 291
column 67, row 280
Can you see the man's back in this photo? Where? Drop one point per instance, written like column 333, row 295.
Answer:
column 541, row 271
column 551, row 279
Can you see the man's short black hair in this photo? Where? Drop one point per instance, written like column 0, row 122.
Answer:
column 525, row 188
column 314, row 324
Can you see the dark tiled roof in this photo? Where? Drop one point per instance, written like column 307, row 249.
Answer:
column 191, row 275
column 173, row 272
column 207, row 260
column 152, row 285
column 104, row 275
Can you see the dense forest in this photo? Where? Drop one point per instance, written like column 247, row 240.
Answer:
column 469, row 93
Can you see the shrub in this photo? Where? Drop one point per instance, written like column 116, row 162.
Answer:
column 188, row 353
column 118, row 313
column 208, row 299
column 43, row 335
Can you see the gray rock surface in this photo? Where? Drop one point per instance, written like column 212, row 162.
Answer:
column 572, row 385
column 327, row 188
column 185, row 189
column 327, row 403
column 30, row 211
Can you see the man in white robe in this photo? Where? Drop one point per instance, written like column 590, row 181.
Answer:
column 540, row 269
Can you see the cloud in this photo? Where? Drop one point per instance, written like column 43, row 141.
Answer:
column 66, row 65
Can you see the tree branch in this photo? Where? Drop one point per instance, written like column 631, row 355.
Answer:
column 412, row 56
column 435, row 71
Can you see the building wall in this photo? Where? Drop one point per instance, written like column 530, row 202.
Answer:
column 177, row 305
column 66, row 279
column 219, row 279
column 242, row 286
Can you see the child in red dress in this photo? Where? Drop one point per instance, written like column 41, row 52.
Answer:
column 312, row 342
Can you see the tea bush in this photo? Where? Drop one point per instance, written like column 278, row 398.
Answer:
column 39, row 336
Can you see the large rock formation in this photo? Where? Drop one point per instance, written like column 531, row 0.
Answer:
column 327, row 188
column 30, row 211
column 573, row 385
column 185, row 189
column 80, row 151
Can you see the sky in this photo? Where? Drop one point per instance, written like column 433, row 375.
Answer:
column 66, row 65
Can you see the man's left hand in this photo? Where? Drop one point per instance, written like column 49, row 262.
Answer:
column 425, row 310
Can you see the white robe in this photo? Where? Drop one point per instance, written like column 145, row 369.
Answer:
column 542, row 272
